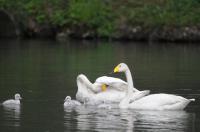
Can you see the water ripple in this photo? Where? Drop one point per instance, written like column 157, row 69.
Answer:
column 92, row 118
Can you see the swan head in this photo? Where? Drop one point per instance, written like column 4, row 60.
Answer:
column 122, row 67
column 17, row 96
column 68, row 98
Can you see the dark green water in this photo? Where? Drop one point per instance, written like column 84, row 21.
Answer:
column 45, row 71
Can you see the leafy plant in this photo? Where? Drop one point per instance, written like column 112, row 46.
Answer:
column 95, row 14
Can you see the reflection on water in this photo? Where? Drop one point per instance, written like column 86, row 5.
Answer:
column 165, row 121
column 91, row 118
column 45, row 71
column 11, row 116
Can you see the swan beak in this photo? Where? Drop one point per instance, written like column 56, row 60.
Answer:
column 116, row 69
column 103, row 87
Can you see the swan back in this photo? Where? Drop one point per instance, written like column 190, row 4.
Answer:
column 138, row 95
column 112, row 82
column 15, row 101
column 107, row 80
column 71, row 103
column 161, row 102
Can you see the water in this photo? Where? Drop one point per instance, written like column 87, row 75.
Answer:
column 44, row 72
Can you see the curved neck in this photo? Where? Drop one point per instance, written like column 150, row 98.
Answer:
column 129, row 80
column 125, row 102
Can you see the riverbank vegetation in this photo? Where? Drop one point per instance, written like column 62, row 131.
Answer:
column 131, row 19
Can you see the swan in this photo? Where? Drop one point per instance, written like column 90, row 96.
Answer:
column 68, row 102
column 112, row 82
column 104, row 90
column 150, row 102
column 15, row 101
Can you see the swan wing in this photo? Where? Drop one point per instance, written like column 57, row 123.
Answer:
column 160, row 102
column 115, row 92
column 138, row 95
column 110, row 95
column 11, row 102
column 107, row 80
column 86, row 90
column 112, row 82
column 77, row 103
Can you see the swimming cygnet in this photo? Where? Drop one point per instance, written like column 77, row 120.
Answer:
column 15, row 101
column 71, row 103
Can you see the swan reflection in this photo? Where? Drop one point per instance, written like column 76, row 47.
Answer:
column 93, row 118
column 164, row 121
column 12, row 115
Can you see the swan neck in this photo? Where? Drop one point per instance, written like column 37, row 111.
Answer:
column 129, row 80
column 125, row 102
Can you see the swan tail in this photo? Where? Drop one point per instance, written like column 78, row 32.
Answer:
column 192, row 99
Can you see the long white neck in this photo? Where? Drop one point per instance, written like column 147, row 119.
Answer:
column 129, row 79
column 129, row 93
column 125, row 102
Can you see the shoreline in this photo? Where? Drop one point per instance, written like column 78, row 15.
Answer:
column 138, row 33
column 166, row 34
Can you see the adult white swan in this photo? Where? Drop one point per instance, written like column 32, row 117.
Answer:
column 150, row 102
column 105, row 89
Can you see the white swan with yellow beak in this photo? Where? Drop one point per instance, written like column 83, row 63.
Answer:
column 105, row 89
column 150, row 102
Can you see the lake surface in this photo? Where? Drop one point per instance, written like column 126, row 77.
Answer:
column 44, row 72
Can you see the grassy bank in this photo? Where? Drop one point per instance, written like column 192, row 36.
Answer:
column 104, row 18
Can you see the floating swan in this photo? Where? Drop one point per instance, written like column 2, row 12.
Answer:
column 105, row 89
column 71, row 103
column 113, row 82
column 11, row 102
column 150, row 102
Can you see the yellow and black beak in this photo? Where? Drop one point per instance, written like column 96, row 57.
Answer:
column 116, row 69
